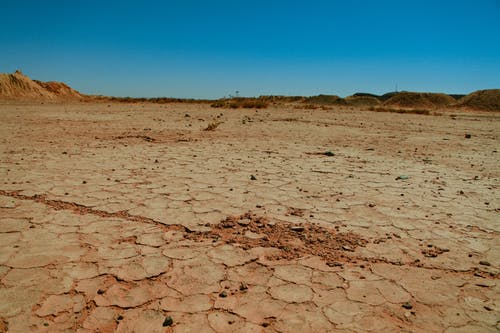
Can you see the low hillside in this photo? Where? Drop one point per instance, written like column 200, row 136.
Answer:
column 361, row 100
column 325, row 100
column 488, row 100
column 419, row 100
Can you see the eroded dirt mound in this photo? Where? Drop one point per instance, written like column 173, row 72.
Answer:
column 419, row 100
column 59, row 89
column 482, row 100
column 19, row 86
column 293, row 240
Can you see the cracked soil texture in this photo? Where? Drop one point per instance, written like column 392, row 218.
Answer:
column 133, row 218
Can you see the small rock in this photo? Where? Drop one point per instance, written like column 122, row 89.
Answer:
column 252, row 177
column 334, row 264
column 407, row 306
column 227, row 224
column 223, row 294
column 243, row 286
column 347, row 248
column 244, row 222
column 297, row 228
column 484, row 263
column 467, row 136
column 402, row 177
column 100, row 291
column 120, row 317
column 168, row 321
column 328, row 153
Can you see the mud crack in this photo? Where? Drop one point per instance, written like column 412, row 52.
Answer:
column 84, row 210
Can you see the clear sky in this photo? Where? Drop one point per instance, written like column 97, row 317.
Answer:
column 211, row 48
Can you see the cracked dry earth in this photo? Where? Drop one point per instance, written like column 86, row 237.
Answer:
column 132, row 218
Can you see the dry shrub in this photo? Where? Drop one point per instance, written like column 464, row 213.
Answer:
column 212, row 126
column 402, row 111
column 241, row 102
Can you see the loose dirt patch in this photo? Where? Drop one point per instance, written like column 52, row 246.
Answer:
column 293, row 240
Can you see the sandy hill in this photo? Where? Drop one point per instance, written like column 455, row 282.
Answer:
column 362, row 100
column 419, row 100
column 482, row 100
column 325, row 100
column 18, row 86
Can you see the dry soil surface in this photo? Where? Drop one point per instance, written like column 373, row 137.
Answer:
column 132, row 218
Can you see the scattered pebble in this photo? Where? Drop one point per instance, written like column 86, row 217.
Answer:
column 244, row 222
column 407, row 306
column 347, row 248
column 297, row 228
column 484, row 263
column 468, row 136
column 252, row 177
column 223, row 294
column 168, row 321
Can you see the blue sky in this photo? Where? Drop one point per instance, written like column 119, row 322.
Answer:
column 210, row 48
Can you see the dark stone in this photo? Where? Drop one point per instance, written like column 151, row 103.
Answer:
column 297, row 228
column 252, row 177
column 407, row 306
column 223, row 294
column 484, row 263
column 468, row 136
column 168, row 321
column 334, row 264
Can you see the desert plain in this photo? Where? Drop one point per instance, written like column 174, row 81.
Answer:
column 135, row 218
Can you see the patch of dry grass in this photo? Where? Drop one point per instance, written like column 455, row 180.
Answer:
column 212, row 126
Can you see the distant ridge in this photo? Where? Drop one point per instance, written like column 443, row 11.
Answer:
column 18, row 86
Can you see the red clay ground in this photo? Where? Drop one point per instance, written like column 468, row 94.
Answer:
column 132, row 218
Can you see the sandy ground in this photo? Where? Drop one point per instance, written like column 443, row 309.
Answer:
column 131, row 218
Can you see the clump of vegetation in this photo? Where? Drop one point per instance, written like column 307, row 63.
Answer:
column 212, row 126
column 241, row 102
column 156, row 100
column 403, row 111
